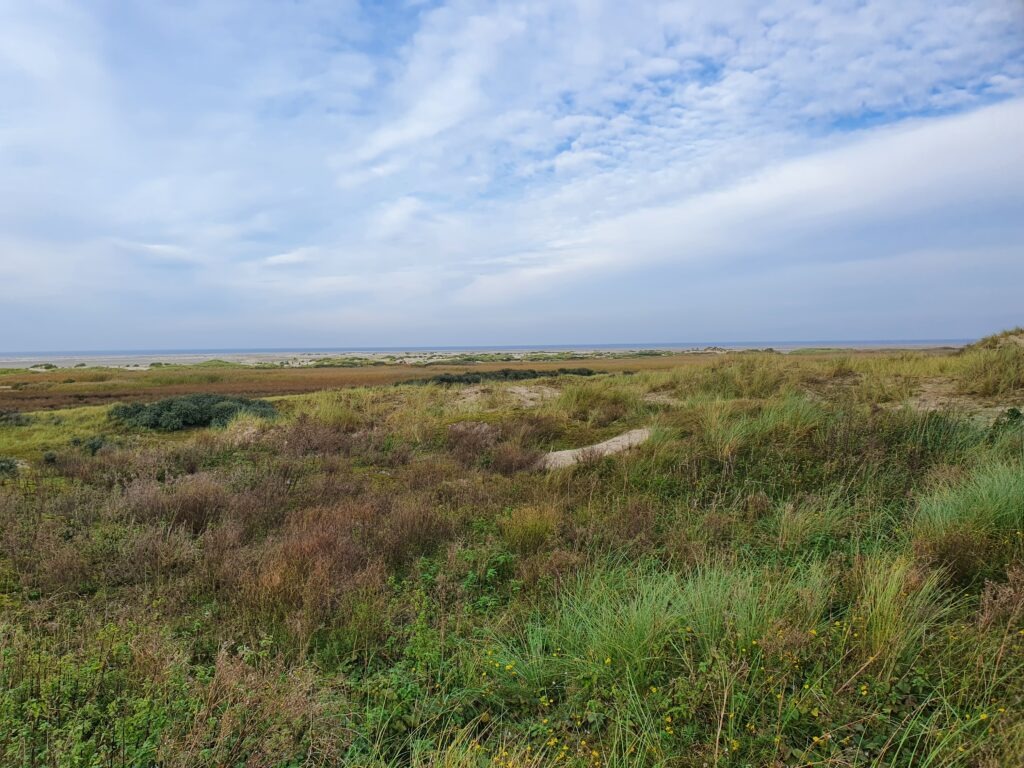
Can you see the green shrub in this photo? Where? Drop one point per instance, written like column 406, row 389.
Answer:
column 201, row 410
column 14, row 419
column 1011, row 418
column 8, row 467
column 90, row 445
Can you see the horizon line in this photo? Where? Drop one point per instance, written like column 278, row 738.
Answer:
column 480, row 347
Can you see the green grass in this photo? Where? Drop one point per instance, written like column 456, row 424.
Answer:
column 973, row 528
column 802, row 567
column 52, row 430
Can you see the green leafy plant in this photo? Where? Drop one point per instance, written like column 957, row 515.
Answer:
column 176, row 413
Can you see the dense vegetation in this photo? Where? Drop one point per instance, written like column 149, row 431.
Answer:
column 13, row 418
column 816, row 560
column 503, row 374
column 187, row 411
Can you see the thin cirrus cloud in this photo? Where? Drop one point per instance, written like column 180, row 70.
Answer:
column 254, row 174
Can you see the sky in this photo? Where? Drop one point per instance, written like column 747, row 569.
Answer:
column 304, row 173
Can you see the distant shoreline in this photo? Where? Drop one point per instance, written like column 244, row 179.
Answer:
column 299, row 355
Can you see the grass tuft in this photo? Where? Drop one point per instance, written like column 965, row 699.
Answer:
column 973, row 529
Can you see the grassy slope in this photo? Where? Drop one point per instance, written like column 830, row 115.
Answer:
column 794, row 571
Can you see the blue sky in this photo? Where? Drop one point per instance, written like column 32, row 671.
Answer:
column 330, row 173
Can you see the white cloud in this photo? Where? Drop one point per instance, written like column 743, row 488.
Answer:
column 921, row 174
column 433, row 158
column 393, row 218
column 289, row 258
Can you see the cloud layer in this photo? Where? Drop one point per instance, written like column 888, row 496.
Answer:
column 324, row 173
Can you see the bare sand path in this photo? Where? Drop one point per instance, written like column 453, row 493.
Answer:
column 623, row 442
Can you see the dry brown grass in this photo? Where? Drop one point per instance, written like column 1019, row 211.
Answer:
column 309, row 436
column 469, row 440
column 1003, row 603
column 192, row 501
column 322, row 556
column 253, row 716
column 512, row 456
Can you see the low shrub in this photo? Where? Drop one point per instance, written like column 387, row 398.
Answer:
column 1003, row 603
column 307, row 436
column 200, row 410
column 91, row 444
column 306, row 567
column 469, row 440
column 8, row 467
column 192, row 501
column 409, row 531
column 1010, row 419
column 14, row 419
column 511, row 457
column 503, row 374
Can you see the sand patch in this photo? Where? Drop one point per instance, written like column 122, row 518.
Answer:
column 623, row 442
column 472, row 396
column 532, row 396
column 938, row 395
column 942, row 395
column 477, row 396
